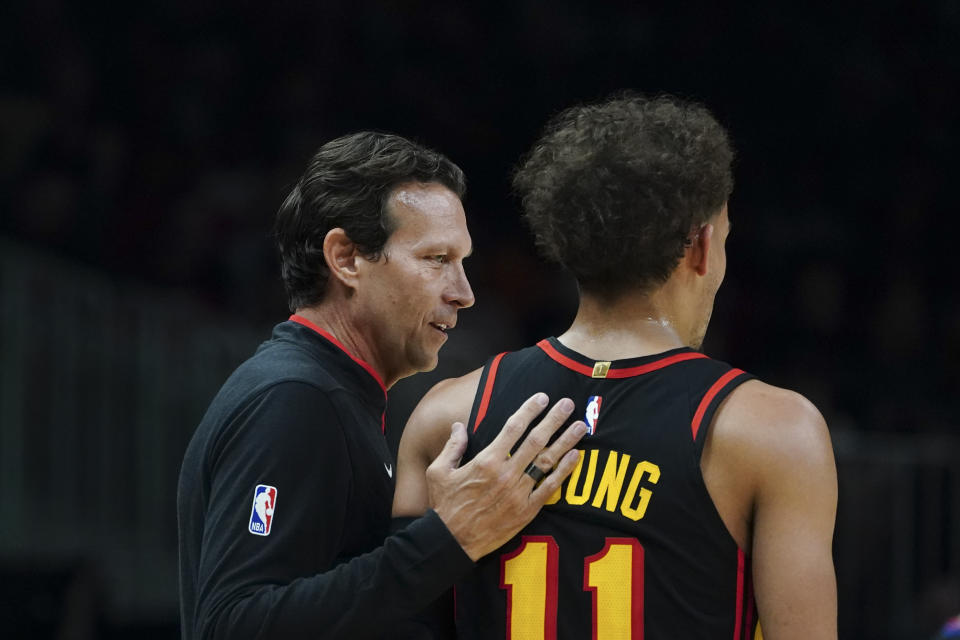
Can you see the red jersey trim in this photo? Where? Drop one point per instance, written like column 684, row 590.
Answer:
column 625, row 372
column 366, row 367
column 487, row 391
column 748, row 629
column 741, row 561
column 709, row 396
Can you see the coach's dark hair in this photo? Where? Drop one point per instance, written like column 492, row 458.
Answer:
column 613, row 190
column 347, row 184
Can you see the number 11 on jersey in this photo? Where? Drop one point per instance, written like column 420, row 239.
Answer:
column 529, row 575
column 614, row 576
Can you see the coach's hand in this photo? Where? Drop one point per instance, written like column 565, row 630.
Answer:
column 488, row 500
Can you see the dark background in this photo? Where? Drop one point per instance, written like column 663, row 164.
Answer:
column 145, row 149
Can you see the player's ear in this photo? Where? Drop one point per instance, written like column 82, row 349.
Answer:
column 699, row 249
column 341, row 255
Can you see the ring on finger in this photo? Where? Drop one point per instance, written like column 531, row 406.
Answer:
column 535, row 472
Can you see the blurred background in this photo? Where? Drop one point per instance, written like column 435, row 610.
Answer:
column 145, row 148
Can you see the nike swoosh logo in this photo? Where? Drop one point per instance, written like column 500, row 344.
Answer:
column 389, row 468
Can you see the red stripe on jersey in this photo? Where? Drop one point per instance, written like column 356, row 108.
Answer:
column 740, row 562
column 749, row 627
column 487, row 391
column 629, row 372
column 564, row 360
column 626, row 372
column 709, row 396
column 553, row 586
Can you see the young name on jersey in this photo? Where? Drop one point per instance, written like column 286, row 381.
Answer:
column 606, row 490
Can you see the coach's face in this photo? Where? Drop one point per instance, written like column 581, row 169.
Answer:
column 410, row 297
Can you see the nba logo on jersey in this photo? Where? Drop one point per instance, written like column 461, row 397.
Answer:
column 261, row 515
column 593, row 413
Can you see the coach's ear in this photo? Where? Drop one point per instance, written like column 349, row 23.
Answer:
column 699, row 250
column 340, row 254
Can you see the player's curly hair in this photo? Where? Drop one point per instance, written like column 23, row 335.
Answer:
column 612, row 191
column 347, row 184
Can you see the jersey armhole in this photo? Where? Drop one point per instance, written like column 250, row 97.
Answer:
column 481, row 400
column 710, row 401
column 700, row 423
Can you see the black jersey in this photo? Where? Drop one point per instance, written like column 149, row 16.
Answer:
column 284, row 504
column 631, row 546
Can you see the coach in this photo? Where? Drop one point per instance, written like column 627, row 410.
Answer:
column 286, row 487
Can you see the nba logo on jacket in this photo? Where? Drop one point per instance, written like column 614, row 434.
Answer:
column 592, row 414
column 261, row 515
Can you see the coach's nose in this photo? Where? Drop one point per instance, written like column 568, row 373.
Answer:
column 459, row 293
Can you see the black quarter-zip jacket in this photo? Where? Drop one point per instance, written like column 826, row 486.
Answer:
column 284, row 504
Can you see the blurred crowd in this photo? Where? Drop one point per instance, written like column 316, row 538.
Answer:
column 155, row 142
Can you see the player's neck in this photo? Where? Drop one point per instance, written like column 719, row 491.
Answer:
column 626, row 327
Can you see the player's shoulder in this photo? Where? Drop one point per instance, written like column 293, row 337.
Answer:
column 449, row 400
column 755, row 399
column 771, row 423
column 429, row 424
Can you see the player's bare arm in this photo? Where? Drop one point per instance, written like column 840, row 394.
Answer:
column 488, row 500
column 769, row 466
column 427, row 430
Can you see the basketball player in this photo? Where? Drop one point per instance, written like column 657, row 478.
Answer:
column 704, row 500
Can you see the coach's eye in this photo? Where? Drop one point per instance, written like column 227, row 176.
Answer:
column 439, row 259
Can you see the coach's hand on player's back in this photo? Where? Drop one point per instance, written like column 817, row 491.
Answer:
column 488, row 500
